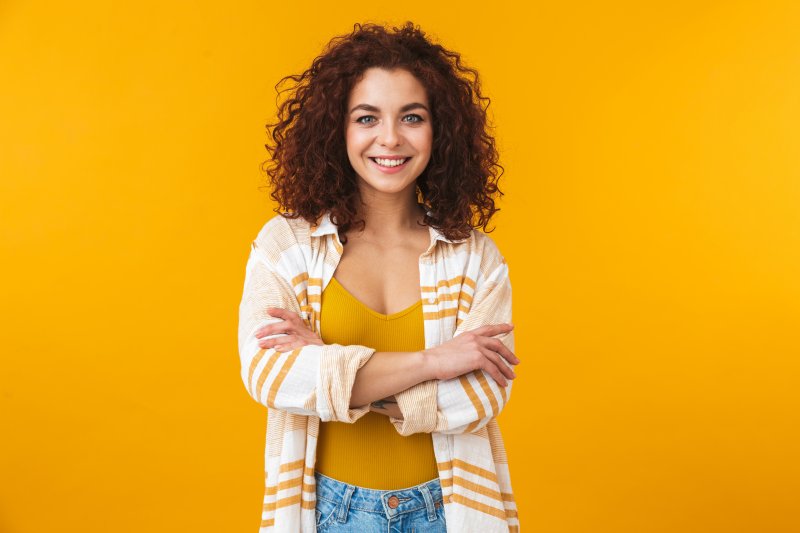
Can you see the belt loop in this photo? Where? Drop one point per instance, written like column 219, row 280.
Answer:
column 426, row 493
column 344, row 507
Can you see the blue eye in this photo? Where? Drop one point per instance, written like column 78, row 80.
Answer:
column 419, row 118
column 360, row 119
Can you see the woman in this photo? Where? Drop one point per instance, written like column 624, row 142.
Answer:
column 374, row 323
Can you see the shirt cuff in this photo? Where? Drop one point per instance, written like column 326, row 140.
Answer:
column 418, row 405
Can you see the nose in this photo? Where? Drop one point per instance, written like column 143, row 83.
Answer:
column 388, row 135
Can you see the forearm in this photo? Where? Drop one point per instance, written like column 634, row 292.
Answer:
column 387, row 373
column 387, row 407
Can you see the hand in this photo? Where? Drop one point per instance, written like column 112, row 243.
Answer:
column 473, row 350
column 296, row 333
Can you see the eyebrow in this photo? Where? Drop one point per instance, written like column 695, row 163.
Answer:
column 373, row 109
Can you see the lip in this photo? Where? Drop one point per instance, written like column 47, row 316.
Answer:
column 392, row 170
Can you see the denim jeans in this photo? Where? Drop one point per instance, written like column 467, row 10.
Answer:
column 345, row 508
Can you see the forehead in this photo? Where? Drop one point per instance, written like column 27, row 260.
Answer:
column 387, row 88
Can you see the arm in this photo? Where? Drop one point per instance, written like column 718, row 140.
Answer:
column 387, row 373
column 468, row 402
column 309, row 380
column 387, row 407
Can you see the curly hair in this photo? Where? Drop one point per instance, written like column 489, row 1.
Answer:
column 309, row 171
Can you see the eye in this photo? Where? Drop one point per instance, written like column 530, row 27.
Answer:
column 417, row 117
column 360, row 120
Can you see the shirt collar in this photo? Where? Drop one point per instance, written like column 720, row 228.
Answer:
column 325, row 226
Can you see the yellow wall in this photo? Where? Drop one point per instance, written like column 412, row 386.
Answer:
column 652, row 169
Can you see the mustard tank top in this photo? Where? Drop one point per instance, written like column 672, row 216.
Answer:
column 370, row 453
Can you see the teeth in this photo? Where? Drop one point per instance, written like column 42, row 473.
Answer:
column 390, row 162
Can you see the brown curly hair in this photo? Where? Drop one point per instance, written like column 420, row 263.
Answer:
column 310, row 173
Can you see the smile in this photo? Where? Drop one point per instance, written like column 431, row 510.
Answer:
column 389, row 166
column 390, row 163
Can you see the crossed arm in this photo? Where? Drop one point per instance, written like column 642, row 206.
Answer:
column 455, row 387
column 388, row 373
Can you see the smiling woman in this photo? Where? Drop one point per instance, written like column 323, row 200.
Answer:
column 375, row 319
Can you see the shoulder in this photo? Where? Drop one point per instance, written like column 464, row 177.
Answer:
column 484, row 244
column 281, row 235
column 484, row 250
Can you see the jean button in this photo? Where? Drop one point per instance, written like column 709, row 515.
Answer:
column 393, row 502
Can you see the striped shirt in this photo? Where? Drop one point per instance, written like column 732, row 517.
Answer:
column 464, row 284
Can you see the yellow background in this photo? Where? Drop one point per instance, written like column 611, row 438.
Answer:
column 651, row 222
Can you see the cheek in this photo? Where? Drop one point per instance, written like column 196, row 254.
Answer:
column 425, row 139
column 355, row 143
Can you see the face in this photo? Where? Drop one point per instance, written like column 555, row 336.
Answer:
column 389, row 132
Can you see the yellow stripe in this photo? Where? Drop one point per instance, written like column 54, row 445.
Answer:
column 487, row 391
column 286, row 502
column 276, row 383
column 299, row 279
column 290, row 483
column 466, row 297
column 479, row 489
column 306, row 504
column 294, row 465
column 283, row 485
column 436, row 315
column 265, row 372
column 450, row 296
column 478, row 506
column 302, row 296
column 464, row 280
column 476, row 402
column 507, row 497
column 469, row 282
column 309, row 488
column 268, row 523
column 472, row 469
column 315, row 282
column 253, row 364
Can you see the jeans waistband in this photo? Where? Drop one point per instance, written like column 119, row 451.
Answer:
column 387, row 502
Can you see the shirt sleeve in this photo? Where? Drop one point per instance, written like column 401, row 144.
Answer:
column 466, row 403
column 312, row 380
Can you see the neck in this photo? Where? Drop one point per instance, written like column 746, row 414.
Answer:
column 388, row 214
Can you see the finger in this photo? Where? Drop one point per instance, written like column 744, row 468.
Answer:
column 276, row 341
column 284, row 314
column 490, row 330
column 493, row 371
column 272, row 329
column 290, row 346
column 501, row 366
column 498, row 346
column 283, row 348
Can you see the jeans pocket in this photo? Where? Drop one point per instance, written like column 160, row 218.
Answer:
column 326, row 510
